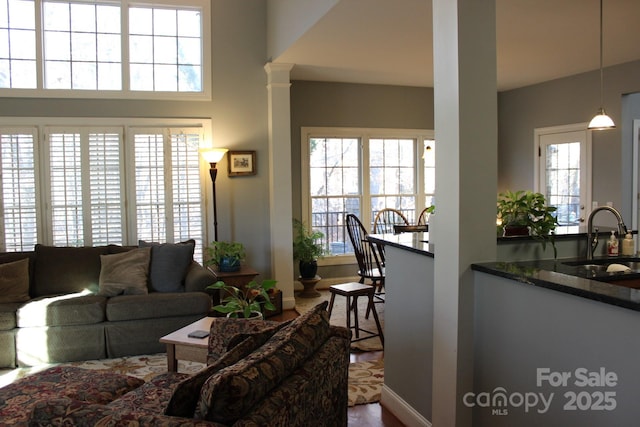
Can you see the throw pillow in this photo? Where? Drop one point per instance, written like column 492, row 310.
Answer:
column 169, row 264
column 224, row 329
column 229, row 394
column 125, row 273
column 185, row 397
column 14, row 281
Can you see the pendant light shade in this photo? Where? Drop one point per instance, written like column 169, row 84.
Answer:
column 601, row 121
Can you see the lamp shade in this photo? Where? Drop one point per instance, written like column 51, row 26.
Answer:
column 213, row 155
column 601, row 121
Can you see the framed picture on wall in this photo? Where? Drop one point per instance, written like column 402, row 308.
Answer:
column 242, row 163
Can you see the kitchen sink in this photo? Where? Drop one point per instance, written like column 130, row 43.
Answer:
column 598, row 267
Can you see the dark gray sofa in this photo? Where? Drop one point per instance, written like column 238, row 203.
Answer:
column 66, row 319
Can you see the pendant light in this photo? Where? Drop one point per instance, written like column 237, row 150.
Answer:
column 601, row 121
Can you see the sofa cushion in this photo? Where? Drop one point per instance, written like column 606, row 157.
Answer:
column 14, row 281
column 185, row 397
column 126, row 273
column 233, row 391
column 62, row 310
column 89, row 386
column 151, row 397
column 169, row 264
column 224, row 330
column 157, row 304
column 65, row 270
column 8, row 315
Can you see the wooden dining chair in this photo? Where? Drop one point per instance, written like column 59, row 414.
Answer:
column 386, row 218
column 423, row 219
column 370, row 267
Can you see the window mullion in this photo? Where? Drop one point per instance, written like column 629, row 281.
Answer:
column 365, row 182
column 86, row 188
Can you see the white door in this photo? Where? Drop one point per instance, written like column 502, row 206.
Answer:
column 564, row 171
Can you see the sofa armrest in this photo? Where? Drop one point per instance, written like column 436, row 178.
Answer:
column 198, row 278
column 67, row 411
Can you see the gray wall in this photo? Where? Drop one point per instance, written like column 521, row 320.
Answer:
column 564, row 101
column 238, row 111
column 574, row 99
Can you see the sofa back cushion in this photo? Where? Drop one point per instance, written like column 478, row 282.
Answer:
column 230, row 393
column 64, row 270
column 169, row 264
column 14, row 281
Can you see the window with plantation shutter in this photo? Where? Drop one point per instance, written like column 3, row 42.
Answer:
column 106, row 200
column 18, row 200
column 168, row 194
column 187, row 192
column 116, row 181
column 66, row 189
column 85, row 199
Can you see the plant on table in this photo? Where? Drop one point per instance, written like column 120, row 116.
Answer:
column 307, row 249
column 528, row 211
column 225, row 255
column 242, row 302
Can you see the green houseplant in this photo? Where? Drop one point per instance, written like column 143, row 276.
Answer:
column 526, row 213
column 225, row 255
column 246, row 301
column 306, row 249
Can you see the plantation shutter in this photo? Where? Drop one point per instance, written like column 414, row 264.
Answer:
column 18, row 193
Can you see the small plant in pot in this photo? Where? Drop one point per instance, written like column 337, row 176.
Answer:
column 227, row 256
column 526, row 213
column 306, row 249
column 245, row 302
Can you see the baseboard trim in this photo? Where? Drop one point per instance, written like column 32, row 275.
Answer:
column 401, row 409
column 325, row 283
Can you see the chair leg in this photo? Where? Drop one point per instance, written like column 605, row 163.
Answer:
column 375, row 316
column 349, row 314
column 355, row 315
column 333, row 296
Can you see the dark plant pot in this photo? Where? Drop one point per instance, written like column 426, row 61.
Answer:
column 228, row 265
column 516, row 230
column 308, row 270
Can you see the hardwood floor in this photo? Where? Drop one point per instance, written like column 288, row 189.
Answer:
column 371, row 415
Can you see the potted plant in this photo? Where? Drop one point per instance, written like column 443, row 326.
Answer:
column 245, row 302
column 225, row 255
column 306, row 249
column 526, row 213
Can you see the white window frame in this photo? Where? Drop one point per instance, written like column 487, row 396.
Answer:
column 129, row 125
column 363, row 134
column 125, row 92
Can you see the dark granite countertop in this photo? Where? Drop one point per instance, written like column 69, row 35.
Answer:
column 413, row 242
column 564, row 276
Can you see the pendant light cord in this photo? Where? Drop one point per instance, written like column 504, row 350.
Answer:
column 601, row 71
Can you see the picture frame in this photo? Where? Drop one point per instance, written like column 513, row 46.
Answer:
column 241, row 163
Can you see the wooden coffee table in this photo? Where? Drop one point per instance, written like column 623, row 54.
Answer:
column 181, row 347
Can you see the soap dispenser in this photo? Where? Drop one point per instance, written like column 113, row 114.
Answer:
column 612, row 245
column 627, row 245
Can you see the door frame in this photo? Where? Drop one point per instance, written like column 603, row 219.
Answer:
column 538, row 133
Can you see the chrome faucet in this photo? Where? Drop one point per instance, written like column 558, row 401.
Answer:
column 592, row 240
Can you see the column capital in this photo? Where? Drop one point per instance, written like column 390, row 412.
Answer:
column 278, row 73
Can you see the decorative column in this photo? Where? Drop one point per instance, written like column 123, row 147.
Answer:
column 280, row 205
column 465, row 113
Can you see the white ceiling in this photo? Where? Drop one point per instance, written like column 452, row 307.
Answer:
column 390, row 42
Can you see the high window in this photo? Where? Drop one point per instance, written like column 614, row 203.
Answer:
column 362, row 171
column 76, row 185
column 108, row 48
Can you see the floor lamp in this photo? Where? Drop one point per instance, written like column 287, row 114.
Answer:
column 213, row 156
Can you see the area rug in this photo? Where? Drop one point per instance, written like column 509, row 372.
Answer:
column 365, row 378
column 365, row 382
column 339, row 317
